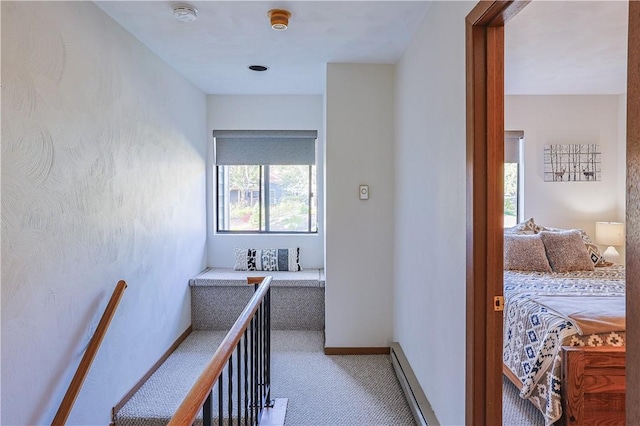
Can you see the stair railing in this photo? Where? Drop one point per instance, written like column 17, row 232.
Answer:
column 249, row 340
column 87, row 359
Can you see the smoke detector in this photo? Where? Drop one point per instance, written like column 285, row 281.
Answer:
column 279, row 19
column 185, row 13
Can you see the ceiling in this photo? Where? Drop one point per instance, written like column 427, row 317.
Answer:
column 567, row 47
column 551, row 47
column 214, row 51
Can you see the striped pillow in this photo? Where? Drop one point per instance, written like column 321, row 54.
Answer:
column 251, row 259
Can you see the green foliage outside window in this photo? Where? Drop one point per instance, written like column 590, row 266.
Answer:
column 242, row 201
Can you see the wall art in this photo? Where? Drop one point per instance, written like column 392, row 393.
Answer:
column 572, row 163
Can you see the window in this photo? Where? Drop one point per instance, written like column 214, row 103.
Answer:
column 512, row 168
column 266, row 181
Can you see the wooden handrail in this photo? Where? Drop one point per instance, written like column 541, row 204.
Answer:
column 192, row 403
column 83, row 368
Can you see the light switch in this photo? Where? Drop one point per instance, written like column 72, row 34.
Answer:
column 364, row 192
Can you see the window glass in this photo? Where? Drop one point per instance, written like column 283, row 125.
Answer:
column 510, row 194
column 288, row 206
column 512, row 170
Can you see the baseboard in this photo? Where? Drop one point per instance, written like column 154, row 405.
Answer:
column 152, row 370
column 384, row 350
column 418, row 402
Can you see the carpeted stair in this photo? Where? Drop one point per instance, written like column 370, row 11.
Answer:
column 321, row 390
column 218, row 297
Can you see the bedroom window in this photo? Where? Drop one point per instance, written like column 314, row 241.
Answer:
column 512, row 170
column 266, row 181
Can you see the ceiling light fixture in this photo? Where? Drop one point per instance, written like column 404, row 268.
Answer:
column 258, row 68
column 185, row 12
column 279, row 19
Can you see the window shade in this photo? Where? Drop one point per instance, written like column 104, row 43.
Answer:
column 512, row 145
column 269, row 147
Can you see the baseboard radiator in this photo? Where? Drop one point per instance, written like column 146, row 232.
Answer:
column 418, row 402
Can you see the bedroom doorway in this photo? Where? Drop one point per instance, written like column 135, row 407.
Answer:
column 485, row 126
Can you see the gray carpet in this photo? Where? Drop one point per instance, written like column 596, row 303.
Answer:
column 322, row 390
column 334, row 390
column 157, row 400
column 217, row 307
column 517, row 411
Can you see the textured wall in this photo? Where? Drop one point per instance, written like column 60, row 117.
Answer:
column 103, row 178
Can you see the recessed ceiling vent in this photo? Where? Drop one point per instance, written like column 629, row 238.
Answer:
column 185, row 12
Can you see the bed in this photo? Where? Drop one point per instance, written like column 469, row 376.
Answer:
column 564, row 335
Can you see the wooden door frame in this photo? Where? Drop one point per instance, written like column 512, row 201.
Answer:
column 485, row 157
column 485, row 216
column 633, row 217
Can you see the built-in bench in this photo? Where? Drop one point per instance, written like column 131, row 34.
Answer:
column 218, row 296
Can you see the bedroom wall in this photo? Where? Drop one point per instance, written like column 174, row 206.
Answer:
column 264, row 112
column 430, row 208
column 564, row 119
column 103, row 178
column 359, row 253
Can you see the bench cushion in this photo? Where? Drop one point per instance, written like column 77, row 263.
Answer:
column 225, row 277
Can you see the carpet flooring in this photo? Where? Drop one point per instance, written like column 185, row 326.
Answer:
column 517, row 411
column 322, row 390
column 335, row 390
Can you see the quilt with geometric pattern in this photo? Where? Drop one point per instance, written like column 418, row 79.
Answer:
column 533, row 334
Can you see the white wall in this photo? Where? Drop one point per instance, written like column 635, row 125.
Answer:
column 566, row 119
column 264, row 112
column 359, row 239
column 430, row 213
column 103, row 178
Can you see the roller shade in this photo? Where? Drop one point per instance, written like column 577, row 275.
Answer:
column 512, row 145
column 269, row 147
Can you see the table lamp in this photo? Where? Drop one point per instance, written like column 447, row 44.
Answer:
column 610, row 234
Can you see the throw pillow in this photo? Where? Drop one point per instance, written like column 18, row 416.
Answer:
column 251, row 259
column 566, row 251
column 525, row 253
column 592, row 249
column 527, row 227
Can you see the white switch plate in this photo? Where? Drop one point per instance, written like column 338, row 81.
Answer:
column 364, row 192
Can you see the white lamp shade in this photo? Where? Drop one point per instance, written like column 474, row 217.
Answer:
column 610, row 233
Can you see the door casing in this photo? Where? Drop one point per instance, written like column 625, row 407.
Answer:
column 485, row 156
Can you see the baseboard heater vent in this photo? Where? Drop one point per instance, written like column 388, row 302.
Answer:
column 418, row 402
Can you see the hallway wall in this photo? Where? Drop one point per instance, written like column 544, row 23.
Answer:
column 359, row 233
column 430, row 208
column 103, row 178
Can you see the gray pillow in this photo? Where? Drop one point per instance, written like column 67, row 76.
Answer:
column 523, row 252
column 592, row 249
column 566, row 251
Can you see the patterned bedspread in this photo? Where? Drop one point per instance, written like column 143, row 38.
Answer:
column 533, row 334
